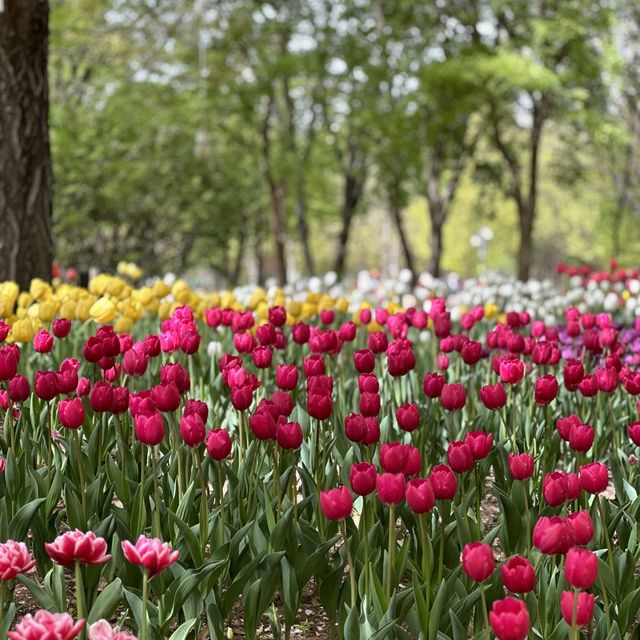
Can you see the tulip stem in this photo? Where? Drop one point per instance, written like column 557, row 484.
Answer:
column 145, row 597
column 575, row 633
column 156, row 494
column 426, row 563
column 443, row 515
column 221, row 502
column 365, row 535
column 204, row 499
column 478, row 501
column 79, row 595
column 78, row 457
column 352, row 570
column 606, row 532
column 484, row 611
column 391, row 549
column 276, row 480
column 605, row 599
column 2, row 604
column 527, row 517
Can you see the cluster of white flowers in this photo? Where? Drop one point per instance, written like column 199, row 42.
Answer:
column 542, row 299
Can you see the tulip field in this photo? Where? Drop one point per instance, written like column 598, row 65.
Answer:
column 451, row 465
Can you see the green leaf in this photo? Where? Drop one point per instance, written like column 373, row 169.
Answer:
column 20, row 523
column 182, row 632
column 106, row 602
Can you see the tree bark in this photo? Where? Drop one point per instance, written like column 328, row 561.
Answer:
column 353, row 185
column 435, row 267
column 396, row 215
column 26, row 242
column 277, row 192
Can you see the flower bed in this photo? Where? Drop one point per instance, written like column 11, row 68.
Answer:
column 209, row 454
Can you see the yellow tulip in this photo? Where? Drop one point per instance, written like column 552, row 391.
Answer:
column 262, row 311
column 6, row 306
column 123, row 324
column 164, row 310
column 161, row 289
column 309, row 310
column 39, row 289
column 67, row 309
column 48, row 309
column 103, row 311
column 295, row 309
column 25, row 299
column 10, row 289
column 342, row 305
column 23, row 330
column 490, row 310
column 83, row 308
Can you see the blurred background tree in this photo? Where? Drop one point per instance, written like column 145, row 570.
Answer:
column 253, row 139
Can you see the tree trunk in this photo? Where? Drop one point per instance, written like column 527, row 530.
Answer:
column 279, row 230
column 436, row 248
column 26, row 242
column 527, row 210
column 352, row 191
column 525, row 252
column 404, row 241
column 303, row 227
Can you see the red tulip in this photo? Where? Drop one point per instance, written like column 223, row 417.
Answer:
column 581, row 568
column 564, row 425
column 581, row 437
column 46, row 385
column 76, row 546
column 149, row 428
column 367, row 382
column 584, row 609
column 453, row 396
column 43, row 341
column 546, row 389
column 419, row 495
column 369, row 404
column 594, row 477
column 218, row 444
column 460, row 457
column 19, row 388
column 511, row 371
column 521, row 466
column 151, row 554
column 393, row 457
column 355, row 427
column 634, row 433
column 336, row 504
column 433, row 384
column 71, row 413
column 391, row 488
column 493, row 397
column 362, row 478
column 15, row 559
column 197, row 406
column 408, row 417
column 582, row 527
column 444, row 482
column 509, row 619
column 61, row 327
column 166, row 397
column 287, row 376
column 478, row 561
column 289, row 435
column 192, row 429
column 480, row 444
column 364, row 361
column 552, row 535
column 518, row 575
column 48, row 626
